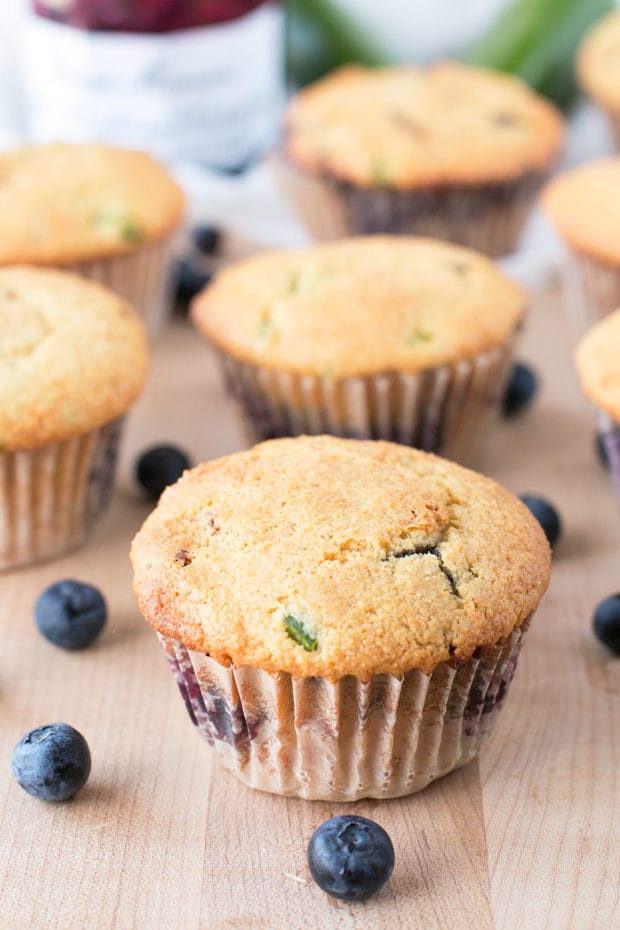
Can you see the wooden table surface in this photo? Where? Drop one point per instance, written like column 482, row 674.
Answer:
column 527, row 837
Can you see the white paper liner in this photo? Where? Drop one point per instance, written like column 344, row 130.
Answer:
column 51, row 497
column 486, row 217
column 313, row 739
column 613, row 117
column 596, row 289
column 609, row 430
column 444, row 410
column 143, row 277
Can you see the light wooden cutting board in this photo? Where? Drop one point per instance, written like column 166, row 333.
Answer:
column 526, row 838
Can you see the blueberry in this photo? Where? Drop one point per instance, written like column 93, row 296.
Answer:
column 206, row 239
column 160, row 466
column 606, row 623
column 520, row 390
column 70, row 614
column 190, row 281
column 51, row 762
column 546, row 514
column 350, row 857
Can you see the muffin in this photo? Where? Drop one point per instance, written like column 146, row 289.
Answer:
column 451, row 151
column 380, row 337
column 598, row 67
column 598, row 366
column 583, row 205
column 343, row 617
column 109, row 214
column 72, row 361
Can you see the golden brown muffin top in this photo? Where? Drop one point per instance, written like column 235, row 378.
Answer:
column 598, row 364
column 64, row 203
column 406, row 127
column 72, row 356
column 329, row 557
column 584, row 206
column 360, row 306
column 598, row 61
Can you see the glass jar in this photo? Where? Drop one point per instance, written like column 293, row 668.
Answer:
column 189, row 80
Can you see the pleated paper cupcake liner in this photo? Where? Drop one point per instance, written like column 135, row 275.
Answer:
column 613, row 118
column 485, row 217
column 594, row 289
column 312, row 739
column 444, row 410
column 51, row 497
column 609, row 431
column 143, row 277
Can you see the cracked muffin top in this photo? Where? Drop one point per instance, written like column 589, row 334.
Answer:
column 360, row 306
column 72, row 356
column 329, row 557
column 598, row 61
column 63, row 203
column 598, row 364
column 405, row 127
column 584, row 206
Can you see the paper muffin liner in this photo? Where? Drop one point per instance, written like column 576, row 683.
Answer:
column 51, row 497
column 594, row 289
column 143, row 277
column 306, row 737
column 485, row 217
column 613, row 118
column 445, row 409
column 609, row 430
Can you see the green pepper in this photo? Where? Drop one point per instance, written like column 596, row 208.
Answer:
column 299, row 632
column 115, row 222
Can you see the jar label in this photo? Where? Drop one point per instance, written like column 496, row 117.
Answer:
column 211, row 95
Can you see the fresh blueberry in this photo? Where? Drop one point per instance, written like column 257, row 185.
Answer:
column 70, row 614
column 520, row 389
column 206, row 239
column 350, row 857
column 606, row 623
column 51, row 762
column 190, row 281
column 546, row 514
column 160, row 466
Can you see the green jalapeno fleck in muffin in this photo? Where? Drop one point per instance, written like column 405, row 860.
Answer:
column 381, row 337
column 343, row 617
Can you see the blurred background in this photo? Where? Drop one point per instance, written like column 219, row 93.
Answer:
column 202, row 83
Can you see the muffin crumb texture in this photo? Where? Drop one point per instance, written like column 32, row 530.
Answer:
column 597, row 364
column 598, row 61
column 61, row 204
column 584, row 206
column 360, row 306
column 407, row 127
column 72, row 357
column 327, row 557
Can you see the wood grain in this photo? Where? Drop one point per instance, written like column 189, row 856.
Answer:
column 529, row 836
